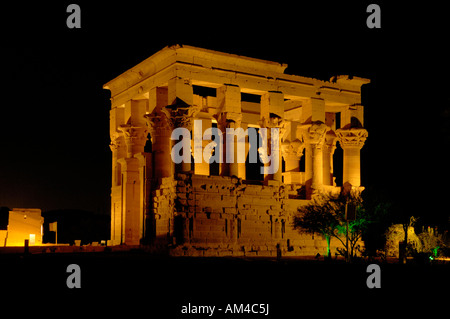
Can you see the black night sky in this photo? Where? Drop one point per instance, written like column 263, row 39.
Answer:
column 55, row 115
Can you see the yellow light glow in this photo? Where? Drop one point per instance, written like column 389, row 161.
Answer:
column 23, row 224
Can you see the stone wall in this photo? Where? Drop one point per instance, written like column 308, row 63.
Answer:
column 226, row 216
column 154, row 201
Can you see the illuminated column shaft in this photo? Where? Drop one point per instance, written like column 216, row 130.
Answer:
column 164, row 166
column 186, row 166
column 201, row 164
column 328, row 151
column 229, row 116
column 271, row 116
column 317, row 158
column 181, row 102
column 160, row 125
column 351, row 141
column 184, row 116
column 275, row 160
column 292, row 162
column 352, row 166
column 145, row 175
column 313, row 129
column 230, row 165
column 132, row 184
column 118, row 151
column 131, row 214
column 314, row 137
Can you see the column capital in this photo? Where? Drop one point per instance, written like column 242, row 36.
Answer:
column 272, row 122
column 131, row 132
column 158, row 121
column 352, row 137
column 116, row 141
column 135, row 138
column 292, row 149
column 183, row 115
column 228, row 120
column 314, row 133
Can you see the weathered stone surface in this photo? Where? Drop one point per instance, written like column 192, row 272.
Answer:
column 205, row 210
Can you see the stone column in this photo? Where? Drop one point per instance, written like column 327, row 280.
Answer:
column 201, row 163
column 228, row 124
column 180, row 97
column 292, row 153
column 145, row 172
column 328, row 151
column 131, row 215
column 161, row 126
column 351, row 141
column 314, row 138
column 135, row 138
column 313, row 130
column 273, row 157
column 229, row 116
column 272, row 114
column 118, row 151
column 184, row 116
column 133, row 183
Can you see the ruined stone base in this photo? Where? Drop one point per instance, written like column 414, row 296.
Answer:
column 198, row 215
column 309, row 247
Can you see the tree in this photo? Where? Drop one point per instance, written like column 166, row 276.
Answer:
column 326, row 215
column 378, row 209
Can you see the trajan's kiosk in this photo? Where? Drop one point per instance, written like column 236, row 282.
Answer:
column 205, row 208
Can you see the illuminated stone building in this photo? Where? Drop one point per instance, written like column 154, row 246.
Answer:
column 20, row 224
column 220, row 209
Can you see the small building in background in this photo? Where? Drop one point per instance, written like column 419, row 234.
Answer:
column 21, row 224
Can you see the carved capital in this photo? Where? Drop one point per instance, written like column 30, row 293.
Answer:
column 292, row 149
column 228, row 120
column 135, row 138
column 133, row 133
column 158, row 121
column 314, row 134
column 116, row 142
column 353, row 137
column 183, row 115
column 273, row 121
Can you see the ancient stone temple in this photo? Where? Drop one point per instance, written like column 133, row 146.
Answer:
column 211, row 205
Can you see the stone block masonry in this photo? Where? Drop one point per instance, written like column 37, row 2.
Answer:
column 227, row 217
column 212, row 206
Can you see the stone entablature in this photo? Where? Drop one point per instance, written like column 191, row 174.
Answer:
column 182, row 85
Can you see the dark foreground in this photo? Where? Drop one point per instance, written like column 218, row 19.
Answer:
column 138, row 284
